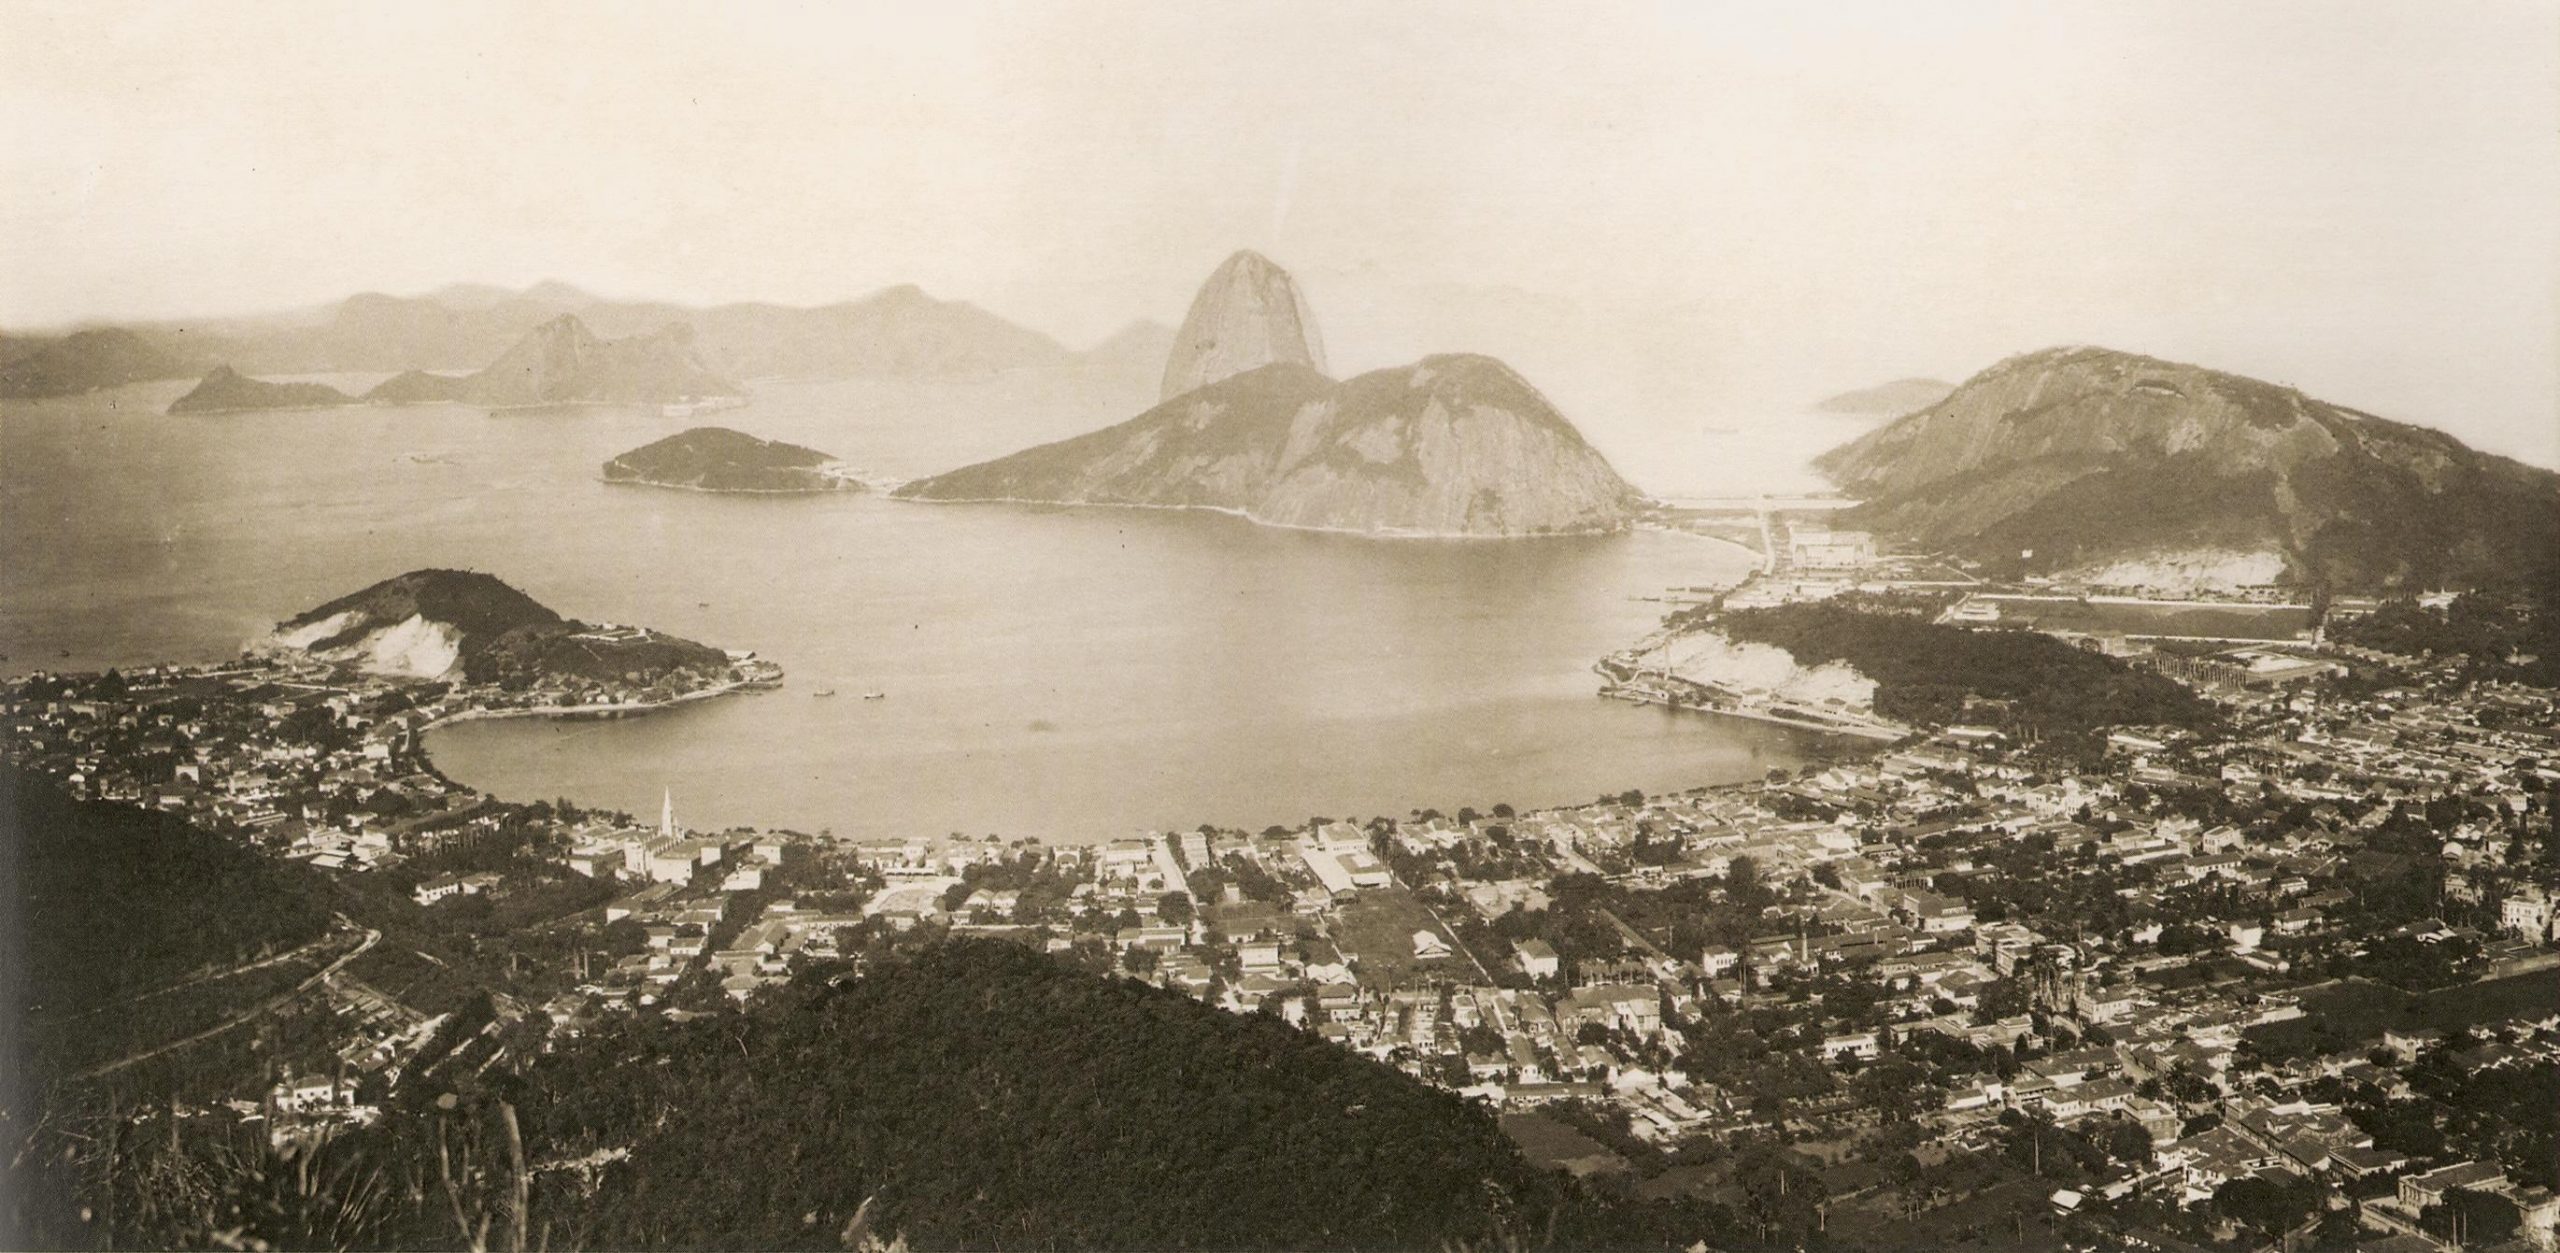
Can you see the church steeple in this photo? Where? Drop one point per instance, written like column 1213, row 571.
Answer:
column 667, row 815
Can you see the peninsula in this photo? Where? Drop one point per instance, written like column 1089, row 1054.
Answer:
column 505, row 650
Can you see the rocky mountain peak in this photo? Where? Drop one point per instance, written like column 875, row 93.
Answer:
column 1248, row 315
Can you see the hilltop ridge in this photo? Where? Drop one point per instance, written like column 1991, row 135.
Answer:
column 2113, row 465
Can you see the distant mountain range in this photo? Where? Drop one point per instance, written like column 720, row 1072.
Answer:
column 2126, row 468
column 560, row 362
column 460, row 624
column 899, row 332
column 1888, row 400
column 85, row 361
column 717, row 459
column 1454, row 445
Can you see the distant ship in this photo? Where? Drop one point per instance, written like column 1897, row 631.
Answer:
column 824, row 691
column 708, row 404
column 875, row 696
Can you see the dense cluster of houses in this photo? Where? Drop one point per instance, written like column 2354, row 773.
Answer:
column 1949, row 887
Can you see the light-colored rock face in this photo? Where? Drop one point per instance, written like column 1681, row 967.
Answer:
column 411, row 648
column 2190, row 570
column 1451, row 446
column 1711, row 657
column 1248, row 315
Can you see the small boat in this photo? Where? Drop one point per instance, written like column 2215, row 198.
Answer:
column 824, row 691
column 875, row 696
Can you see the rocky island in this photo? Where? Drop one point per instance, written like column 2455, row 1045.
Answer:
column 228, row 391
column 1455, row 445
column 717, row 459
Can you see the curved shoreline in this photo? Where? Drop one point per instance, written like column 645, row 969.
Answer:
column 1757, row 557
column 573, row 712
column 1249, row 516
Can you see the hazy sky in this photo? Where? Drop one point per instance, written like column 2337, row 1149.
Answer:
column 1664, row 214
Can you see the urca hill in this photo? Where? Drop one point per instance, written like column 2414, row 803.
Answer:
column 2126, row 468
column 1452, row 445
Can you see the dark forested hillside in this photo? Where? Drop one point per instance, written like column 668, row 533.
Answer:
column 85, row 361
column 989, row 1097
column 1925, row 673
column 120, row 930
column 108, row 900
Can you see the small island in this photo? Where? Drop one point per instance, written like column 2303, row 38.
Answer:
column 717, row 459
column 228, row 391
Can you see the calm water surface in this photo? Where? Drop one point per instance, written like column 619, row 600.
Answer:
column 1070, row 674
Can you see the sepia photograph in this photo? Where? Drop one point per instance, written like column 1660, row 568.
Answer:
column 1721, row 626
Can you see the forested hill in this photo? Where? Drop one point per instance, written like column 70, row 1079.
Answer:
column 107, row 900
column 102, row 905
column 989, row 1097
column 1928, row 675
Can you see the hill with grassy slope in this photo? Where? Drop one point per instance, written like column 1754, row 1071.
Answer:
column 2125, row 468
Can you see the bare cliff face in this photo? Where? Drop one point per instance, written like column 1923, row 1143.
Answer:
column 1248, row 315
column 1454, row 445
column 2095, row 460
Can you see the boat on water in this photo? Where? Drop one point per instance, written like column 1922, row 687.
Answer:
column 824, row 691
column 875, row 696
column 706, row 404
